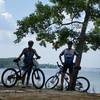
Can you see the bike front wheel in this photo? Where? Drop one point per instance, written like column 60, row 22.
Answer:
column 82, row 84
column 38, row 78
column 52, row 82
column 9, row 77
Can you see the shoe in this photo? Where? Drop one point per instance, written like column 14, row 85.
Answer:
column 69, row 89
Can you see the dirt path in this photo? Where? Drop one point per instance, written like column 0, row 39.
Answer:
column 33, row 94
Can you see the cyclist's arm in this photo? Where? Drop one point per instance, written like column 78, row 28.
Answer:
column 37, row 56
column 60, row 56
column 21, row 54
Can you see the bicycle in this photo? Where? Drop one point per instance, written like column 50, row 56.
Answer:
column 82, row 83
column 11, row 76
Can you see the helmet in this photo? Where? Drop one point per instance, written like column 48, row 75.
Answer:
column 70, row 43
column 30, row 42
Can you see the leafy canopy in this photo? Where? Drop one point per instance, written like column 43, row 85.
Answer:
column 61, row 19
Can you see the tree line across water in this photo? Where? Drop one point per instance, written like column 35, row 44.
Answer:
column 8, row 62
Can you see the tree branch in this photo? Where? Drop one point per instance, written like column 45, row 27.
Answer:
column 73, row 22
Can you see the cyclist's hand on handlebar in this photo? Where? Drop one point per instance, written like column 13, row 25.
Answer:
column 38, row 57
column 16, row 60
column 63, row 63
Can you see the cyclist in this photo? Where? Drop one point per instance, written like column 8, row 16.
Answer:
column 28, row 61
column 68, row 54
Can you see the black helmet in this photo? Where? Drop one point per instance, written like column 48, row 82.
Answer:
column 30, row 42
column 70, row 43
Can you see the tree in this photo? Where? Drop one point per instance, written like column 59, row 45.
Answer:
column 49, row 22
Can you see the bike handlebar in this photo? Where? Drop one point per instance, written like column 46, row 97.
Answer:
column 58, row 65
column 17, row 59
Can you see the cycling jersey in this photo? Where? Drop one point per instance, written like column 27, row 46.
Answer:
column 68, row 55
column 28, row 55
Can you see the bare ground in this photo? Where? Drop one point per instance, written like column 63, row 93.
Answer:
column 19, row 93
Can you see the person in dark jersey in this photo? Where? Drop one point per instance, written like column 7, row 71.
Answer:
column 68, row 55
column 28, row 61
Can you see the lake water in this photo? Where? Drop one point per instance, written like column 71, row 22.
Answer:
column 92, row 74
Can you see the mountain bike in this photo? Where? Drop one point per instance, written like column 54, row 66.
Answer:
column 11, row 76
column 82, row 83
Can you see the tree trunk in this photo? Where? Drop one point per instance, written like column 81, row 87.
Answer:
column 80, row 46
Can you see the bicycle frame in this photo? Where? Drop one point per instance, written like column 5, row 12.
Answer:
column 10, row 76
column 19, row 68
column 19, row 72
column 60, row 72
column 53, row 81
column 66, row 77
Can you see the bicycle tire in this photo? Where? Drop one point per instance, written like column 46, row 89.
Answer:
column 9, row 78
column 50, row 80
column 81, row 83
column 34, row 79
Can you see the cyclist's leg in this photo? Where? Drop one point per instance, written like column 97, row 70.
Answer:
column 62, row 80
column 24, row 69
column 62, row 75
column 28, row 75
column 71, row 77
column 23, row 80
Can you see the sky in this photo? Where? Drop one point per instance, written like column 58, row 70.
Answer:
column 13, row 10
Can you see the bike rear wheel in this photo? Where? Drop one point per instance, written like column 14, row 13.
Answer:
column 38, row 78
column 9, row 77
column 82, row 84
column 52, row 82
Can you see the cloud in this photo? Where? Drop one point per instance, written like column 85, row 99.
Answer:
column 7, row 21
column 7, row 16
column 7, row 24
column 2, row 6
